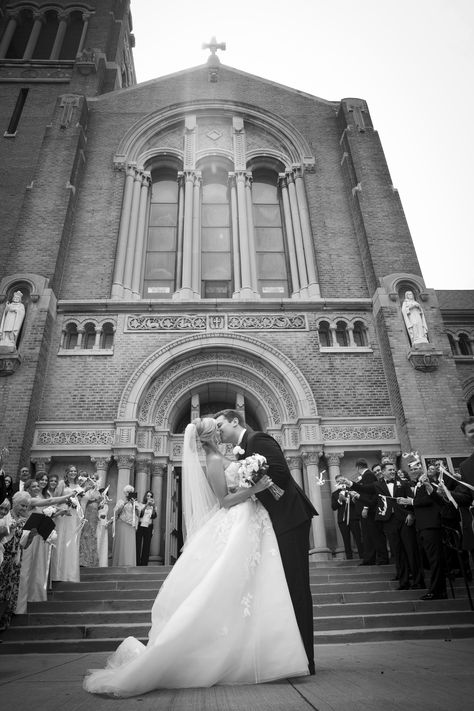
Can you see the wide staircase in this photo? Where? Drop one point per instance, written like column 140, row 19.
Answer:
column 351, row 604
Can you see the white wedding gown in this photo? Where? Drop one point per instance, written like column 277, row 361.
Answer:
column 223, row 615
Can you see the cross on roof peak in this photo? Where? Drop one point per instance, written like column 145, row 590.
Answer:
column 213, row 45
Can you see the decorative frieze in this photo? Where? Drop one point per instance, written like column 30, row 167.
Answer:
column 358, row 432
column 216, row 322
column 82, row 437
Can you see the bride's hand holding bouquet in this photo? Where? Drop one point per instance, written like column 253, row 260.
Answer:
column 253, row 471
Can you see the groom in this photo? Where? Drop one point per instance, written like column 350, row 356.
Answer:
column 290, row 515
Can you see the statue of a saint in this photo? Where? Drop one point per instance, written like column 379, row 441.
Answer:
column 414, row 319
column 11, row 321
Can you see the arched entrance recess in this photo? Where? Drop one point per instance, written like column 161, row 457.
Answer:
column 204, row 369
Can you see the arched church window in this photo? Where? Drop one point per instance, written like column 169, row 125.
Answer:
column 216, row 237
column 360, row 334
column 271, row 253
column 72, row 37
column 17, row 46
column 324, row 335
column 341, row 334
column 70, row 336
column 452, row 343
column 88, row 338
column 107, row 336
column 160, row 262
column 464, row 345
column 47, row 35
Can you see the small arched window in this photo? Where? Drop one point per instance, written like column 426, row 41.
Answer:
column 70, row 336
column 73, row 36
column 17, row 46
column 107, row 336
column 341, row 334
column 453, row 344
column 464, row 344
column 47, row 36
column 360, row 334
column 324, row 335
column 88, row 339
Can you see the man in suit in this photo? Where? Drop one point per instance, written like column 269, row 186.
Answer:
column 290, row 516
column 396, row 511
column 348, row 516
column 23, row 478
column 428, row 509
column 463, row 495
column 375, row 548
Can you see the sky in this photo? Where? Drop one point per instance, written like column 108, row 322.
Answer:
column 411, row 60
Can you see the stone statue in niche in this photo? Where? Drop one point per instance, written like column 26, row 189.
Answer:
column 12, row 319
column 414, row 320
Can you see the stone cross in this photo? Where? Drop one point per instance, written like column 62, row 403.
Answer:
column 213, row 45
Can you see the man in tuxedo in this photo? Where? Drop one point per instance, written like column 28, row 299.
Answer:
column 373, row 540
column 348, row 516
column 462, row 494
column 395, row 509
column 290, row 516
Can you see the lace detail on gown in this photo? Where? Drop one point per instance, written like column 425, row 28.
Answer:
column 223, row 616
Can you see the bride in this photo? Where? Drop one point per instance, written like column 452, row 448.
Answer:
column 224, row 614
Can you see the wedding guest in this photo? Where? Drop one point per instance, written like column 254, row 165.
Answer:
column 10, row 568
column 145, row 528
column 9, row 491
column 375, row 548
column 395, row 510
column 348, row 516
column 126, row 514
column 102, row 532
column 53, row 483
column 65, row 556
column 43, row 481
column 88, row 554
column 428, row 526
column 463, row 495
column 5, row 525
column 23, row 478
column 33, row 585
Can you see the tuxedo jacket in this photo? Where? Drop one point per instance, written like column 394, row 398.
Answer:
column 427, row 510
column 354, row 510
column 395, row 513
column 294, row 507
column 366, row 488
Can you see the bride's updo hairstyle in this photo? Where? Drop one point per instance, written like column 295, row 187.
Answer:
column 205, row 428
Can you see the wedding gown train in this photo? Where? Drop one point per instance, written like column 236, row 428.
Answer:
column 223, row 615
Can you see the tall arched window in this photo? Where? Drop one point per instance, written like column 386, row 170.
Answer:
column 72, row 36
column 272, row 269
column 464, row 344
column 88, row 339
column 21, row 36
column 160, row 262
column 216, row 237
column 47, row 36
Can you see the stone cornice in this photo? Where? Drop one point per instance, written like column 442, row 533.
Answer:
column 208, row 305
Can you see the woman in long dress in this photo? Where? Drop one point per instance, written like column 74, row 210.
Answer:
column 88, row 553
column 224, row 614
column 65, row 556
column 36, row 558
column 11, row 564
column 102, row 531
column 126, row 513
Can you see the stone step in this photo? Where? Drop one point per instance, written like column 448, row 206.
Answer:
column 130, row 613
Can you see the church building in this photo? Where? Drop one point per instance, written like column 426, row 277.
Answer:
column 205, row 240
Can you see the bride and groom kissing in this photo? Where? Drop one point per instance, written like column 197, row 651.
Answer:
column 236, row 607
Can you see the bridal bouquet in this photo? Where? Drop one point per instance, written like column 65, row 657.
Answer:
column 252, row 469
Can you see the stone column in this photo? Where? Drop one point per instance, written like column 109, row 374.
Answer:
column 333, row 461
column 80, row 336
column 117, row 285
column 132, row 234
column 196, row 248
column 141, row 235
column 142, row 477
column 101, row 468
column 245, row 270
column 85, row 17
column 313, row 490
column 295, row 281
column 8, row 35
column 186, row 281
column 125, row 464
column 294, row 464
column 158, row 472
column 179, row 247
column 350, row 331
column 41, row 466
column 307, row 234
column 251, row 232
column 332, row 333
column 98, row 333
column 299, row 249
column 60, row 34
column 34, row 36
column 235, row 235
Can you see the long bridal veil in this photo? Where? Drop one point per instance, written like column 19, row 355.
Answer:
column 199, row 501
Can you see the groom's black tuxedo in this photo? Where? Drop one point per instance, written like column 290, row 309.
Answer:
column 291, row 518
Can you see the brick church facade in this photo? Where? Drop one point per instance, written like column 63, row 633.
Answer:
column 207, row 239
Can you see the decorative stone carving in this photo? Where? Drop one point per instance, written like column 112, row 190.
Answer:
column 125, row 461
column 166, row 323
column 357, row 432
column 310, row 458
column 12, row 319
column 75, row 437
column 221, row 322
column 426, row 360
column 293, row 462
column 334, row 458
column 414, row 320
column 268, row 322
column 9, row 364
column 41, row 465
column 68, row 103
